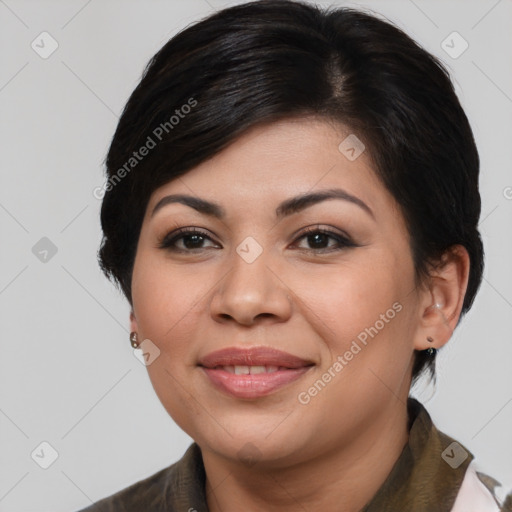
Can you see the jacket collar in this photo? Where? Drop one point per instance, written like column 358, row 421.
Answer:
column 429, row 472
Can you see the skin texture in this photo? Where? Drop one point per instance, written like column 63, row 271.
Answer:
column 335, row 451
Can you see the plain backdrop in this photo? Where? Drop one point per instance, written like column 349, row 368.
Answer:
column 72, row 395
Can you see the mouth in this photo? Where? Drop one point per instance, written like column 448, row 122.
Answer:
column 252, row 372
column 253, row 357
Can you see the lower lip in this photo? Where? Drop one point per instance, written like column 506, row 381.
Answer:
column 253, row 386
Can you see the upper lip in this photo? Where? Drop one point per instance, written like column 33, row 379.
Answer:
column 252, row 356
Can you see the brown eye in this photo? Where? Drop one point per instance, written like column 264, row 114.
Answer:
column 319, row 239
column 191, row 239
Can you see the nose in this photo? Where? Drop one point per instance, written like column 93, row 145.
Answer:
column 251, row 292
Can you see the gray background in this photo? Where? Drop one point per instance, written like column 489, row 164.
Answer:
column 68, row 376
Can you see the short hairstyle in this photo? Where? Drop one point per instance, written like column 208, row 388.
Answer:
column 270, row 60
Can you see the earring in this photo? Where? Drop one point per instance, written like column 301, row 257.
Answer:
column 133, row 339
column 430, row 350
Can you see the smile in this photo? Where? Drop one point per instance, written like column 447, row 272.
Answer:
column 252, row 372
column 252, row 385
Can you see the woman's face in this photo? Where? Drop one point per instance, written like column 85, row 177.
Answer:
column 341, row 298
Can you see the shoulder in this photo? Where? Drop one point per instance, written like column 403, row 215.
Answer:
column 457, row 486
column 143, row 495
column 164, row 491
column 477, row 492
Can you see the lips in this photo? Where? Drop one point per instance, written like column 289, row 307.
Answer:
column 256, row 356
column 252, row 372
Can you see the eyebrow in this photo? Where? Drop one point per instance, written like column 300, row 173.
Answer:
column 286, row 208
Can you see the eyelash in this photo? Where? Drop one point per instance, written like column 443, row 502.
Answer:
column 169, row 241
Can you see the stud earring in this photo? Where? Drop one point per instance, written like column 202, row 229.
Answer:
column 430, row 350
column 133, row 339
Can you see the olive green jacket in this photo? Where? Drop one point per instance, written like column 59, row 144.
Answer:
column 434, row 473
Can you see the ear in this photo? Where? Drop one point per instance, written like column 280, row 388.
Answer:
column 442, row 299
column 133, row 322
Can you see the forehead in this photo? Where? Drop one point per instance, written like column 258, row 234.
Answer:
column 271, row 162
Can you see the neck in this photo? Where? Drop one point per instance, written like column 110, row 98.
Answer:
column 343, row 478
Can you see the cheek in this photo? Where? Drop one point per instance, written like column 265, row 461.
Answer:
column 346, row 301
column 364, row 314
column 166, row 307
column 165, row 302
column 364, row 319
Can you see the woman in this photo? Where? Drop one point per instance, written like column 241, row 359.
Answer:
column 291, row 211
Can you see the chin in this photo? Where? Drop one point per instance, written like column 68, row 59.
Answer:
column 268, row 441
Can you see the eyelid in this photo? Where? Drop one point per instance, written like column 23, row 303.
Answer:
column 171, row 236
column 343, row 239
column 325, row 228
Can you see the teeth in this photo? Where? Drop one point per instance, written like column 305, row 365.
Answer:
column 258, row 369
column 252, row 370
